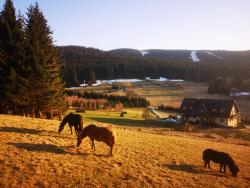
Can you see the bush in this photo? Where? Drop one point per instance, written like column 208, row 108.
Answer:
column 122, row 114
column 146, row 114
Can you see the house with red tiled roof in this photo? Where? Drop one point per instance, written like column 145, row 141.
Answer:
column 210, row 111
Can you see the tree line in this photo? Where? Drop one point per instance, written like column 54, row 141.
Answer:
column 112, row 100
column 30, row 68
column 80, row 64
column 227, row 85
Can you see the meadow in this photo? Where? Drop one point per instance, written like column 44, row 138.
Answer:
column 148, row 153
column 33, row 154
column 168, row 93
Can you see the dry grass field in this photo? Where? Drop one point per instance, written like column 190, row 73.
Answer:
column 33, row 154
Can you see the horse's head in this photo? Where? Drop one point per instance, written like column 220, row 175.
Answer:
column 61, row 127
column 79, row 141
column 62, row 124
column 234, row 170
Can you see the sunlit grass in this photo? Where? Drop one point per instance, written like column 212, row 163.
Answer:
column 33, row 154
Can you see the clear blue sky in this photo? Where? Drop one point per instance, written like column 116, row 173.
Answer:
column 145, row 24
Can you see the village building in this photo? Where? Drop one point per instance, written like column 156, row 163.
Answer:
column 210, row 111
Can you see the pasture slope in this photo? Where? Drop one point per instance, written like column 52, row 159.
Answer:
column 33, row 154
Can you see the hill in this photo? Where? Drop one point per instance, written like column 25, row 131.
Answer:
column 200, row 66
column 211, row 56
column 33, row 154
column 126, row 52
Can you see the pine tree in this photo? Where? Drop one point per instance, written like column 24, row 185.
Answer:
column 92, row 77
column 13, row 77
column 47, row 91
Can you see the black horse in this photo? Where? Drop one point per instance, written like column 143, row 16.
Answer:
column 224, row 159
column 74, row 120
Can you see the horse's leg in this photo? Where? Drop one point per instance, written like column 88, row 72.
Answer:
column 220, row 167
column 76, row 131
column 111, row 148
column 225, row 168
column 70, row 129
column 209, row 165
column 93, row 144
column 205, row 164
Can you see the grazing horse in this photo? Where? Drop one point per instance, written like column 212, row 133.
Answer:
column 74, row 120
column 100, row 134
column 224, row 159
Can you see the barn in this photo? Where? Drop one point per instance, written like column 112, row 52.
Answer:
column 210, row 111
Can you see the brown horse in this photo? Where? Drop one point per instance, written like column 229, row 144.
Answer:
column 100, row 134
column 74, row 120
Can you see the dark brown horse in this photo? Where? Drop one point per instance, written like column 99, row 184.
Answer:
column 100, row 134
column 74, row 120
column 224, row 159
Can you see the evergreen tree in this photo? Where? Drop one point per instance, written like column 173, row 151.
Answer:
column 92, row 77
column 47, row 91
column 13, row 77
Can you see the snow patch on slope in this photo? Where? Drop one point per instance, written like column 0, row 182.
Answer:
column 194, row 56
column 215, row 55
column 143, row 52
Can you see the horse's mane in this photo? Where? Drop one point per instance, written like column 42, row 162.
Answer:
column 65, row 119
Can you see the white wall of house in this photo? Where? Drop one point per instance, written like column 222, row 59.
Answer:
column 233, row 111
column 233, row 122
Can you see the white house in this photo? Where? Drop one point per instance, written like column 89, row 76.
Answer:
column 210, row 111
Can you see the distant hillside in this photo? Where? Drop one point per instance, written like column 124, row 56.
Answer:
column 154, row 53
column 186, row 55
column 126, row 52
column 80, row 63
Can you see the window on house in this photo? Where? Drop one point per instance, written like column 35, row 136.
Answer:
column 213, row 110
column 222, row 120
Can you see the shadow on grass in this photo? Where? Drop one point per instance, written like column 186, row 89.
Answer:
column 20, row 130
column 213, row 172
column 51, row 148
column 55, row 134
column 193, row 169
column 33, row 131
column 183, row 167
column 134, row 123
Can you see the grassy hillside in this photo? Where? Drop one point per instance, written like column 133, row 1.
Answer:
column 33, row 154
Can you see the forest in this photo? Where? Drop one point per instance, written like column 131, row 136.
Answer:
column 30, row 68
column 80, row 63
